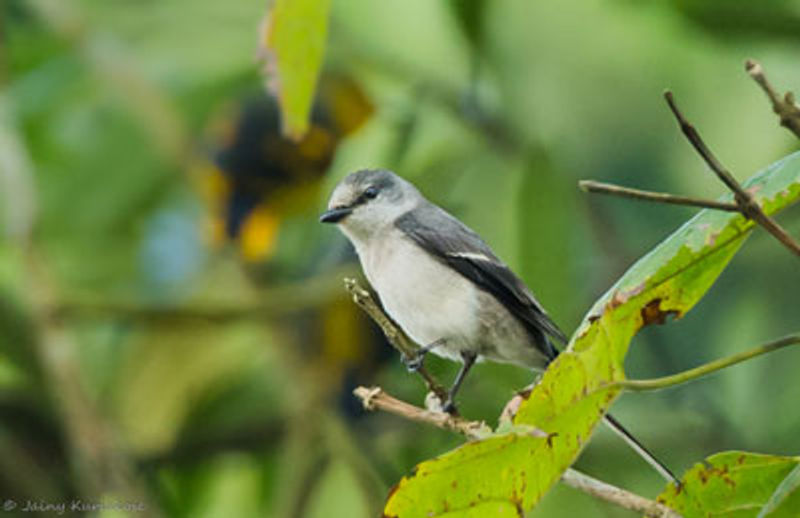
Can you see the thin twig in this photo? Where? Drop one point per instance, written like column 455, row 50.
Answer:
column 615, row 495
column 708, row 368
column 660, row 197
column 394, row 334
column 376, row 399
column 785, row 108
column 748, row 205
column 694, row 138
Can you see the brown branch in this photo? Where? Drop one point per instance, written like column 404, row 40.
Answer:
column 660, row 197
column 785, row 108
column 694, row 138
column 394, row 334
column 376, row 399
column 615, row 495
column 747, row 204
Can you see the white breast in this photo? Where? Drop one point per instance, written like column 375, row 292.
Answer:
column 428, row 300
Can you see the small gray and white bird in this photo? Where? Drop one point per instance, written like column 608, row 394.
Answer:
column 442, row 284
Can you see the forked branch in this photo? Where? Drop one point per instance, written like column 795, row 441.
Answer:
column 747, row 204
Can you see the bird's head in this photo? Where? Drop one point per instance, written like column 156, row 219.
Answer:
column 364, row 203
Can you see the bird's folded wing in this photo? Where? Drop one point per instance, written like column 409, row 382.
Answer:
column 453, row 243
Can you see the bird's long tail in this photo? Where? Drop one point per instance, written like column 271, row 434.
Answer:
column 640, row 449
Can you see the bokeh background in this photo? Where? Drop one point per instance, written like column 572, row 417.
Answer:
column 173, row 327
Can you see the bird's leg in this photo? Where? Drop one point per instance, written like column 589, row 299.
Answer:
column 414, row 364
column 469, row 361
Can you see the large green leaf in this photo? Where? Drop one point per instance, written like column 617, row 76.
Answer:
column 575, row 390
column 734, row 485
column 293, row 42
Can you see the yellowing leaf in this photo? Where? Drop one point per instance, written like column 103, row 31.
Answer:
column 293, row 39
column 441, row 486
column 732, row 485
column 576, row 389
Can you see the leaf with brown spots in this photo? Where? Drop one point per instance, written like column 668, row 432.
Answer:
column 574, row 392
column 735, row 485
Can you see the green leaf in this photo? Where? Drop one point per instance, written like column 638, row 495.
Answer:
column 458, row 481
column 576, row 390
column 293, row 45
column 733, row 485
column 785, row 501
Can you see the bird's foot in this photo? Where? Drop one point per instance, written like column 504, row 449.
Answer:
column 414, row 363
column 449, row 407
column 436, row 404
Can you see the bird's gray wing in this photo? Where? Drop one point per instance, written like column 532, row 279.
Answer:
column 453, row 243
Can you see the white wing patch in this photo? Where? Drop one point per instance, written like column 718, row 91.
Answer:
column 472, row 255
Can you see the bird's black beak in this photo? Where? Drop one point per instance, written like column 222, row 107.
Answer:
column 335, row 215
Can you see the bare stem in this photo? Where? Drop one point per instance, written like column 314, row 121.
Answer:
column 615, row 495
column 708, row 368
column 785, row 108
column 747, row 204
column 376, row 399
column 394, row 334
column 694, row 138
column 660, row 197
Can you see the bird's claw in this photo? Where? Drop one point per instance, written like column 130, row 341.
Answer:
column 414, row 363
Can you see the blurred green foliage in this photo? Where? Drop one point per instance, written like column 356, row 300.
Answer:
column 495, row 110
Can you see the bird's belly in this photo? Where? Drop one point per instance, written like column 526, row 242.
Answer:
column 428, row 300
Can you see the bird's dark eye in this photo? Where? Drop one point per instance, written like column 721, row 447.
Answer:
column 371, row 192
